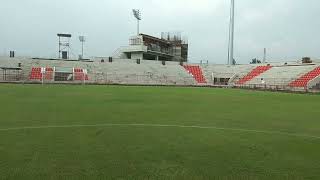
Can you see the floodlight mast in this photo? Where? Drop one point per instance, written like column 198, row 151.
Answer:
column 231, row 35
column 82, row 40
column 137, row 15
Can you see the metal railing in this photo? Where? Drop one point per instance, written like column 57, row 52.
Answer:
column 275, row 88
column 104, row 78
column 140, row 79
column 11, row 76
column 314, row 83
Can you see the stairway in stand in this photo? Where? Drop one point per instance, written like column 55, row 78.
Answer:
column 254, row 73
column 304, row 80
column 196, row 72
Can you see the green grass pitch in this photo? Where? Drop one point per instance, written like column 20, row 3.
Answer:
column 263, row 135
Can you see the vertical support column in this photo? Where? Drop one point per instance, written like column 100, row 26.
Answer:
column 82, row 50
column 264, row 55
column 231, row 34
column 138, row 27
column 85, row 72
column 68, row 48
column 73, row 74
column 59, row 47
column 54, row 74
column 43, row 71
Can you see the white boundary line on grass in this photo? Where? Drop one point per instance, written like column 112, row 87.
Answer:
column 162, row 125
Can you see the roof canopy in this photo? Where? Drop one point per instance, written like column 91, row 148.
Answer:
column 64, row 35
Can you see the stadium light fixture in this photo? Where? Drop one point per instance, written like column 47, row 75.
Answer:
column 137, row 15
column 231, row 35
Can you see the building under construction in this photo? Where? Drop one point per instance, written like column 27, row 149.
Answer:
column 170, row 47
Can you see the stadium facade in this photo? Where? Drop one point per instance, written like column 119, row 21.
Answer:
column 290, row 76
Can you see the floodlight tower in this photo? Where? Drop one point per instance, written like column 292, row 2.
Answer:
column 264, row 55
column 82, row 40
column 137, row 15
column 231, row 34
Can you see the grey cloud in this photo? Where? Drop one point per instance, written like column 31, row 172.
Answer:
column 288, row 28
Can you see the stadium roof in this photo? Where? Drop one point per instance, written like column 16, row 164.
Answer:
column 64, row 35
column 156, row 38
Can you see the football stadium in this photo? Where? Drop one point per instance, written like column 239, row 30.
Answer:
column 147, row 112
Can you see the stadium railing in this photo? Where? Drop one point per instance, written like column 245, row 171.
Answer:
column 102, row 78
column 11, row 75
column 115, row 78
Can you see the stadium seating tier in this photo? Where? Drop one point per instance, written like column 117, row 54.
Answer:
column 254, row 73
column 304, row 80
column 196, row 72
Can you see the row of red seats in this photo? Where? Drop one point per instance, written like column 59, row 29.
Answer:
column 49, row 74
column 78, row 70
column 79, row 75
column 36, row 74
column 304, row 80
column 254, row 73
column 196, row 72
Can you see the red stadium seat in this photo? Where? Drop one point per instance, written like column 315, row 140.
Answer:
column 79, row 75
column 35, row 74
column 48, row 74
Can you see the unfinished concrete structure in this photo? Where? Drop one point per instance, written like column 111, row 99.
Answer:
column 170, row 47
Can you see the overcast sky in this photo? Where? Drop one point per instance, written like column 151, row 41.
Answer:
column 289, row 29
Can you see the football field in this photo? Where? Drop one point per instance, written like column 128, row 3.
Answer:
column 116, row 132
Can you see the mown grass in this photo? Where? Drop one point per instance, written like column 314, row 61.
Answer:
column 121, row 152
